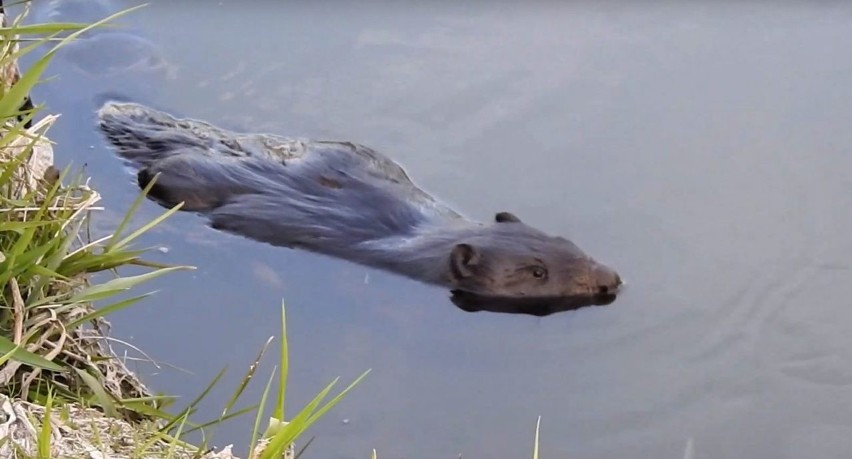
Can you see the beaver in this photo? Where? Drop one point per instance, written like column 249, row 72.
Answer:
column 348, row 201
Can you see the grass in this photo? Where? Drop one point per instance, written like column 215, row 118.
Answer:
column 56, row 366
column 51, row 336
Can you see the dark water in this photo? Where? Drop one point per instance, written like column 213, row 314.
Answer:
column 704, row 151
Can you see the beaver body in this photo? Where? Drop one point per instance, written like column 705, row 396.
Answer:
column 349, row 201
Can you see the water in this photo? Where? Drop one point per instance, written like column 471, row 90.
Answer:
column 701, row 150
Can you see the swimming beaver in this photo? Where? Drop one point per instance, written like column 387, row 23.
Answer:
column 348, row 201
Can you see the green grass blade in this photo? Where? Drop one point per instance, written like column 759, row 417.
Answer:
column 14, row 97
column 5, row 357
column 105, row 310
column 38, row 290
column 43, row 442
column 25, row 238
column 71, row 37
column 117, row 285
column 174, row 443
column 55, row 261
column 47, row 273
column 100, row 394
column 134, row 206
column 11, row 166
column 40, row 29
column 285, row 368
column 193, row 405
column 20, row 227
column 161, row 400
column 207, row 389
column 27, row 357
column 260, row 408
column 22, row 262
column 88, row 262
column 247, row 377
column 334, row 401
column 144, row 228
column 147, row 410
column 286, row 434
column 222, row 419
column 535, row 442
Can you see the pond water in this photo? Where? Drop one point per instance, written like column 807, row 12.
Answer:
column 701, row 150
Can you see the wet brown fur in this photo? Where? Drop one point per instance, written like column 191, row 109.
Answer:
column 347, row 201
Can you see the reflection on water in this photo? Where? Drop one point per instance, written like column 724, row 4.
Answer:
column 534, row 306
column 703, row 150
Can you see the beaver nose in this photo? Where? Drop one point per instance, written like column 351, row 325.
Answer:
column 605, row 280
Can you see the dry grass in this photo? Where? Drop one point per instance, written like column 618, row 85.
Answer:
column 81, row 432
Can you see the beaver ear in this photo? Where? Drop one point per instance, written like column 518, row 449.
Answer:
column 503, row 217
column 463, row 261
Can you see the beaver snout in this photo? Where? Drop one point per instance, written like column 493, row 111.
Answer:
column 605, row 281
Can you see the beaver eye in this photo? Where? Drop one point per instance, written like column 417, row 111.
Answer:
column 539, row 272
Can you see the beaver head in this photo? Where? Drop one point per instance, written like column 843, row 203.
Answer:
column 512, row 267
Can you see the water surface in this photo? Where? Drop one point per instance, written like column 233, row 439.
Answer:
column 702, row 150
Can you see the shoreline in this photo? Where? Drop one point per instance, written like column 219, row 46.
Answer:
column 35, row 422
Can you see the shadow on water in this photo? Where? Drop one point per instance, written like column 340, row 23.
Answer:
column 703, row 150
